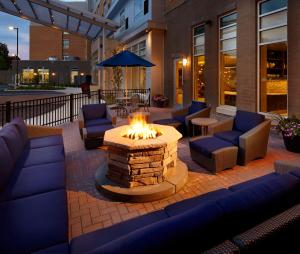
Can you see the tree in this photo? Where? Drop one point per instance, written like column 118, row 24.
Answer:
column 5, row 62
column 117, row 73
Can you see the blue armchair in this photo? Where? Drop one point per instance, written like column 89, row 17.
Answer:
column 184, row 116
column 95, row 115
column 194, row 110
column 248, row 131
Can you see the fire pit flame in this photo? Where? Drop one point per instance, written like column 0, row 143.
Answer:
column 140, row 129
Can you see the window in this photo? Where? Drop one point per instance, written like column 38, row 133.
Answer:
column 122, row 20
column 74, row 75
column 228, row 33
column 28, row 76
column 138, row 7
column 66, row 43
column 198, row 62
column 272, row 47
column 43, row 75
column 137, row 76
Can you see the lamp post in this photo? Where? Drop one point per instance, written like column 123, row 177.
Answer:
column 17, row 29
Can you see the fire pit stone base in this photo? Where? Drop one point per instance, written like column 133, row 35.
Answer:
column 133, row 168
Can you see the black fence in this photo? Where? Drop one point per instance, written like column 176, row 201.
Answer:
column 60, row 109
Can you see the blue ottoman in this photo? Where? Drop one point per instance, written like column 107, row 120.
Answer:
column 93, row 135
column 213, row 153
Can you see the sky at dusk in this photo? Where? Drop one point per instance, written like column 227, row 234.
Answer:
column 10, row 37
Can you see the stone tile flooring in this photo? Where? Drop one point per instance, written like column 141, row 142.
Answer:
column 89, row 210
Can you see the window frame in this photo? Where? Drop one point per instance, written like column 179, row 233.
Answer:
column 259, row 44
column 197, row 55
column 224, row 108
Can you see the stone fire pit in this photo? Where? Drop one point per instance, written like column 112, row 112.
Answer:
column 141, row 170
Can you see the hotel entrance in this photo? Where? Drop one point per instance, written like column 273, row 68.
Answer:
column 178, row 81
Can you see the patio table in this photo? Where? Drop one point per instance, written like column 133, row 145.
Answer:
column 203, row 122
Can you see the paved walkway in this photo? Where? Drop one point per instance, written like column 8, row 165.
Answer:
column 89, row 210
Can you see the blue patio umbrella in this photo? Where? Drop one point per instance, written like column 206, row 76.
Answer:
column 125, row 59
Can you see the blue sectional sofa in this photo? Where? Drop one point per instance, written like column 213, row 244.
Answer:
column 33, row 203
column 199, row 223
column 33, row 209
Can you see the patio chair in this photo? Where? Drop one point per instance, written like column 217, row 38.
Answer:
column 182, row 117
column 95, row 115
column 134, row 103
column 248, row 131
column 144, row 101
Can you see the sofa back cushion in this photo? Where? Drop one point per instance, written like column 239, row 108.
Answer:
column 245, row 120
column 13, row 140
column 196, row 106
column 94, row 111
column 22, row 128
column 6, row 164
column 199, row 228
column 248, row 207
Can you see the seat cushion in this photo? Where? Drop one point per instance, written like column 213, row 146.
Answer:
column 90, row 241
column 247, row 207
column 6, row 164
column 245, row 120
column 22, row 128
column 43, row 155
column 35, row 180
column 33, row 223
column 94, row 111
column 98, row 131
column 57, row 249
column 185, row 205
column 254, row 181
column 196, row 106
column 180, row 119
column 13, row 140
column 166, row 121
column 230, row 136
column 206, row 146
column 99, row 121
column 197, row 229
column 44, row 141
column 295, row 172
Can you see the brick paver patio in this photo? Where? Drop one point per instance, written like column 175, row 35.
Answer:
column 89, row 210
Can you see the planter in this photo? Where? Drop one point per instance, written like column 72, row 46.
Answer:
column 292, row 144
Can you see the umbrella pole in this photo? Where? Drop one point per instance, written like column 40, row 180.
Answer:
column 126, row 83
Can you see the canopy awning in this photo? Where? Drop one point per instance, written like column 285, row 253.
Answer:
column 58, row 15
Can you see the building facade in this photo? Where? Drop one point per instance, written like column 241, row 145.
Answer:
column 57, row 57
column 142, row 32
column 233, row 54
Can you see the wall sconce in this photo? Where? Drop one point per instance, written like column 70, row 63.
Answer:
column 53, row 74
column 81, row 74
column 184, row 62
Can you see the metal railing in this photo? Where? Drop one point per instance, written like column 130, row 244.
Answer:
column 60, row 109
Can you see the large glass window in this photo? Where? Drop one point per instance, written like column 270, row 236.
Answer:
column 199, row 62
column 228, row 48
column 272, row 23
column 28, row 76
column 137, row 76
column 43, row 75
column 66, row 43
column 138, row 7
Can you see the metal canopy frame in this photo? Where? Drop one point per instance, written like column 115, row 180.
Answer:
column 60, row 16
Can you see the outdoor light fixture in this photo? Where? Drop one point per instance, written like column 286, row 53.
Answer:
column 184, row 62
column 81, row 74
column 11, row 28
column 53, row 74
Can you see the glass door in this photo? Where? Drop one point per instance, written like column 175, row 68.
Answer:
column 178, row 78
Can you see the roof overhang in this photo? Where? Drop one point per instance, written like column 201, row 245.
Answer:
column 58, row 15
